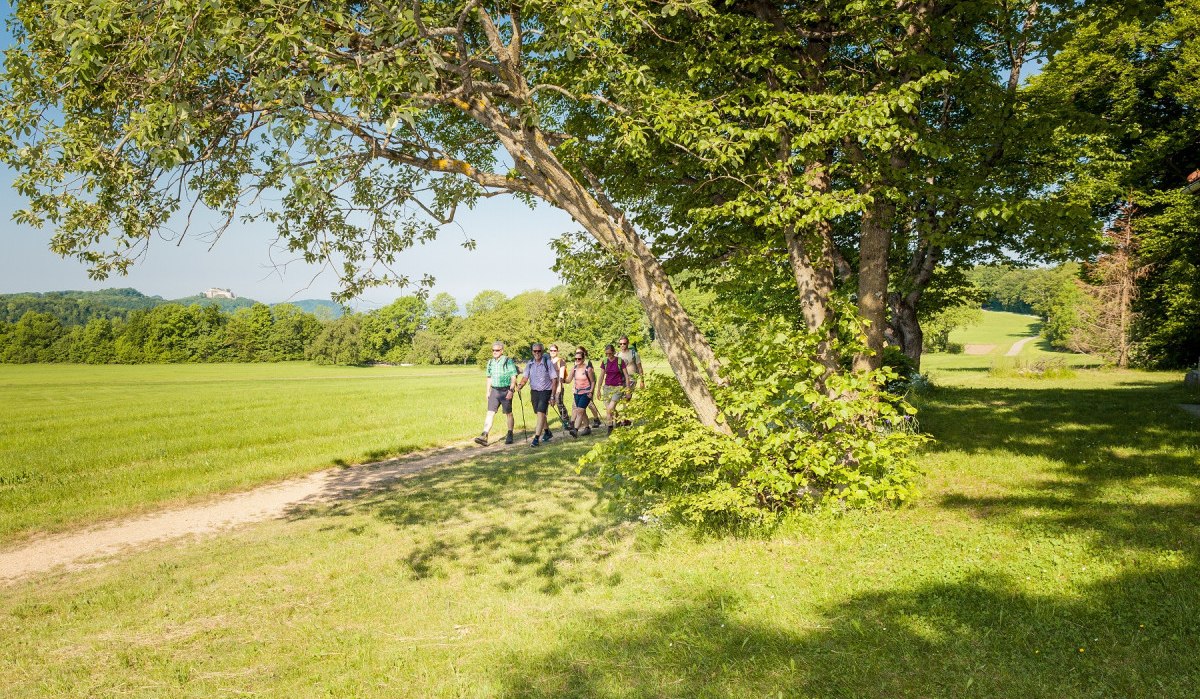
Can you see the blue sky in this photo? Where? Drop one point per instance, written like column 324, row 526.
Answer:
column 512, row 255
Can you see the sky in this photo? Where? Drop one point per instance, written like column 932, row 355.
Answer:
column 512, row 255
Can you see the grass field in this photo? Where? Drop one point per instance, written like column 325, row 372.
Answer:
column 81, row 443
column 1054, row 553
column 1002, row 331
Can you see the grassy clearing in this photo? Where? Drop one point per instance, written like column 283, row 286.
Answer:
column 1055, row 553
column 82, row 443
column 999, row 329
column 1003, row 330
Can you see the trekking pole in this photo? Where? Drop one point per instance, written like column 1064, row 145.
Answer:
column 524, row 429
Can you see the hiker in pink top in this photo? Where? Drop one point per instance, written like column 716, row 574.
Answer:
column 582, row 380
column 616, row 380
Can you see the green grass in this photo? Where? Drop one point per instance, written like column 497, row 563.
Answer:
column 1055, row 553
column 998, row 328
column 82, row 443
column 1002, row 330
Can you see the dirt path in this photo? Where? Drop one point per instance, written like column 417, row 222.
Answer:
column 97, row 545
column 1016, row 348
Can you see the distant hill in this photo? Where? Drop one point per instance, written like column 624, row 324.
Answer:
column 227, row 305
column 78, row 307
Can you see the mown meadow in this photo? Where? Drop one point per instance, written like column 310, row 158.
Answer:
column 1054, row 552
column 82, row 443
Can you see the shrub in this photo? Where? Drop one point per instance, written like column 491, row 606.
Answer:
column 1040, row 369
column 793, row 445
column 904, row 368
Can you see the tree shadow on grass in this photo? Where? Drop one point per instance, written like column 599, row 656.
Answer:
column 971, row 630
column 1098, row 436
column 980, row 636
column 515, row 517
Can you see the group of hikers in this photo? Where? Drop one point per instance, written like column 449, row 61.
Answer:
column 550, row 377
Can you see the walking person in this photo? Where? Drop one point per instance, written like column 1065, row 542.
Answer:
column 629, row 354
column 560, row 368
column 543, row 383
column 616, row 381
column 501, row 370
column 582, row 379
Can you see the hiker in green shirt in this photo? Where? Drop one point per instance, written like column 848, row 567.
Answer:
column 501, row 372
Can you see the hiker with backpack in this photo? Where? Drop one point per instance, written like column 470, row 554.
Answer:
column 542, row 378
column 582, row 379
column 633, row 360
column 629, row 354
column 501, row 370
column 560, row 368
column 616, row 381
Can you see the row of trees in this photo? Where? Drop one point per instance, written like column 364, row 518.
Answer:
column 409, row 330
column 166, row 333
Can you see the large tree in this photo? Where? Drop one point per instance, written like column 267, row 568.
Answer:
column 1125, row 80
column 866, row 146
column 370, row 121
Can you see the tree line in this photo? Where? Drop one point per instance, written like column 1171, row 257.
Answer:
column 409, row 330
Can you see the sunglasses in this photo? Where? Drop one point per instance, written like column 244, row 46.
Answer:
column 496, row 350
column 553, row 349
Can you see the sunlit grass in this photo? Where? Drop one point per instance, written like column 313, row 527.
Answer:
column 1054, row 552
column 87, row 442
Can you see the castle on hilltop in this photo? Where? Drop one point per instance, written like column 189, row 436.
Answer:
column 219, row 294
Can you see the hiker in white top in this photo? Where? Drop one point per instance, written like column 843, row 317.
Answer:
column 542, row 378
column 627, row 353
column 560, row 368
column 632, row 360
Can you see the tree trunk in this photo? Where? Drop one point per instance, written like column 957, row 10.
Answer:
column 812, row 259
column 875, row 242
column 907, row 327
column 681, row 341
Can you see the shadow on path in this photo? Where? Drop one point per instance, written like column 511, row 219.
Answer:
column 517, row 515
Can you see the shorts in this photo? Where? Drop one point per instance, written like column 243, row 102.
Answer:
column 582, row 400
column 540, row 400
column 497, row 398
column 612, row 394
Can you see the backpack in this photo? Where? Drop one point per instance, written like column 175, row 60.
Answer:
column 587, row 381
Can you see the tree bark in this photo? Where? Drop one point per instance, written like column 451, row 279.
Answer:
column 875, row 241
column 814, row 273
column 685, row 347
column 907, row 328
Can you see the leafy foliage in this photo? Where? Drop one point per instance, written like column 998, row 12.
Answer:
column 793, row 445
column 945, row 321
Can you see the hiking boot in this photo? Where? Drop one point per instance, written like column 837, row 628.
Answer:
column 508, row 439
column 573, row 432
column 596, row 422
column 610, row 429
column 535, row 442
column 586, row 431
column 547, row 436
column 481, row 440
